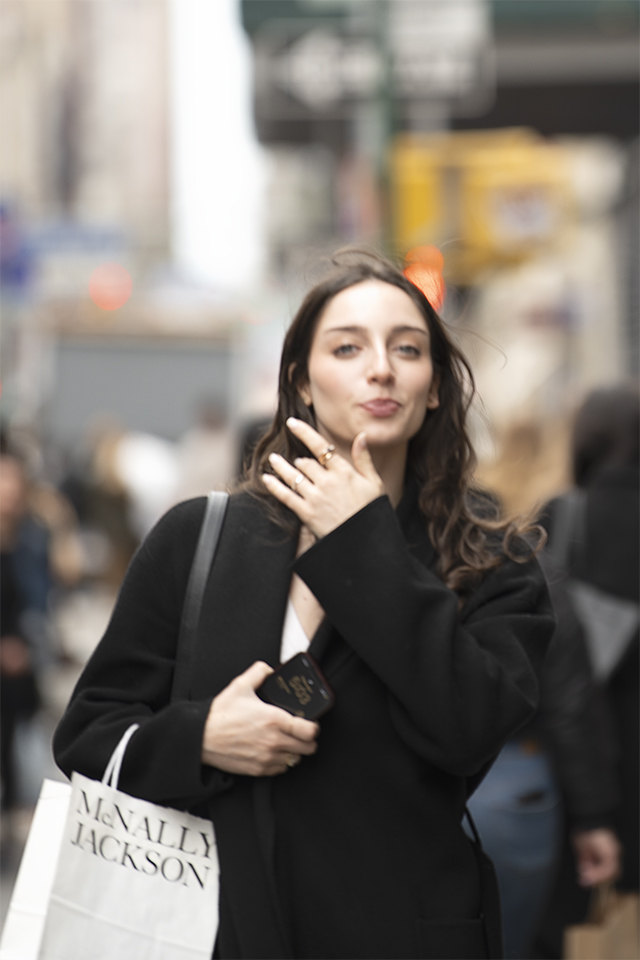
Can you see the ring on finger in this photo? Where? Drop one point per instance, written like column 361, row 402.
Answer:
column 292, row 760
column 326, row 455
column 297, row 481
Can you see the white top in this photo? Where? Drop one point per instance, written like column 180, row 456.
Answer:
column 294, row 639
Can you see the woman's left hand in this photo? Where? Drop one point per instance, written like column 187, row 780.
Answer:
column 324, row 494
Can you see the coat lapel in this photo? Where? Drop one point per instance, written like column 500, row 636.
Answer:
column 245, row 598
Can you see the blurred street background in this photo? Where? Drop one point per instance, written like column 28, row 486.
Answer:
column 173, row 175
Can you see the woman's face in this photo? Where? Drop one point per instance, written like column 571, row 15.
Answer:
column 370, row 368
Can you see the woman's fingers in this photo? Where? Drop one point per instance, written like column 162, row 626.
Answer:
column 244, row 735
column 255, row 675
column 293, row 745
column 311, row 439
column 285, row 495
column 361, row 457
column 311, row 469
column 325, row 492
column 305, row 730
column 292, row 476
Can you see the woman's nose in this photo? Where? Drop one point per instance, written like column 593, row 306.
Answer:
column 380, row 370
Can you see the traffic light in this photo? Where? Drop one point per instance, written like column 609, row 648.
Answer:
column 492, row 198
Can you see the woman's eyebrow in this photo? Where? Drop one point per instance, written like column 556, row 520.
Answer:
column 355, row 328
column 409, row 328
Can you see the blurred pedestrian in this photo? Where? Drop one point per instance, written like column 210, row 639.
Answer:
column 24, row 640
column 357, row 536
column 41, row 552
column 594, row 534
column 147, row 467
column 206, row 454
column 104, row 502
column 559, row 766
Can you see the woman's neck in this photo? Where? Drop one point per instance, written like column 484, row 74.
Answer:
column 391, row 464
column 389, row 461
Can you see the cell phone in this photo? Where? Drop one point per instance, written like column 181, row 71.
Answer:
column 298, row 687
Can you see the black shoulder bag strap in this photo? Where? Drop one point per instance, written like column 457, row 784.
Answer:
column 202, row 560
column 568, row 533
column 490, row 895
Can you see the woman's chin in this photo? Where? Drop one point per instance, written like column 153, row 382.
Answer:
column 389, row 440
column 380, row 434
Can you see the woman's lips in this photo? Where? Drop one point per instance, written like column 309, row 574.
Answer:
column 381, row 407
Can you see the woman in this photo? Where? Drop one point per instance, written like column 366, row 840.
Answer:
column 429, row 619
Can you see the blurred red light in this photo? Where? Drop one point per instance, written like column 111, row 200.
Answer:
column 425, row 272
column 110, row 286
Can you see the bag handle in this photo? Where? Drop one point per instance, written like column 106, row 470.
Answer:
column 600, row 901
column 568, row 534
column 112, row 771
column 202, row 560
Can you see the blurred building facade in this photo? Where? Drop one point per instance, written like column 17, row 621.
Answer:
column 503, row 133
column 85, row 157
column 85, row 115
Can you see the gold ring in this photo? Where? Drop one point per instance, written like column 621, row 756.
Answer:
column 326, row 455
column 297, row 480
column 292, row 760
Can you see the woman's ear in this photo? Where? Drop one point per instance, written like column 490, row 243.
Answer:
column 433, row 400
column 305, row 393
column 303, row 388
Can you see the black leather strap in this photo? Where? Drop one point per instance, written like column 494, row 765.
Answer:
column 568, row 534
column 202, row 560
column 491, row 910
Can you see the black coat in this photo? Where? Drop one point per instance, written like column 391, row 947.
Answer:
column 359, row 850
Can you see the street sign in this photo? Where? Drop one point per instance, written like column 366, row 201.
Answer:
column 412, row 51
column 313, row 69
column 438, row 48
column 322, row 69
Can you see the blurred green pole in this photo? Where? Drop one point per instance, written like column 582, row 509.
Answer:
column 388, row 122
column 375, row 118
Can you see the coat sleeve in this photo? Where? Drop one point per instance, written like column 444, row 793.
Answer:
column 460, row 683
column 575, row 722
column 128, row 680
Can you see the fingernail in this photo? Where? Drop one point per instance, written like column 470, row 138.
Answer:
column 292, row 422
column 363, row 440
column 267, row 477
column 273, row 457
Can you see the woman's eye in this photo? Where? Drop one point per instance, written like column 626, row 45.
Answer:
column 408, row 350
column 345, row 350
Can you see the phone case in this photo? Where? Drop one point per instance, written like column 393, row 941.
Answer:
column 298, row 687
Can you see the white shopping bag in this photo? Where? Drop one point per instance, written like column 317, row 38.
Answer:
column 24, row 923
column 134, row 881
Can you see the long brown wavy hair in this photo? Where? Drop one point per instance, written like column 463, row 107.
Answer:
column 464, row 524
